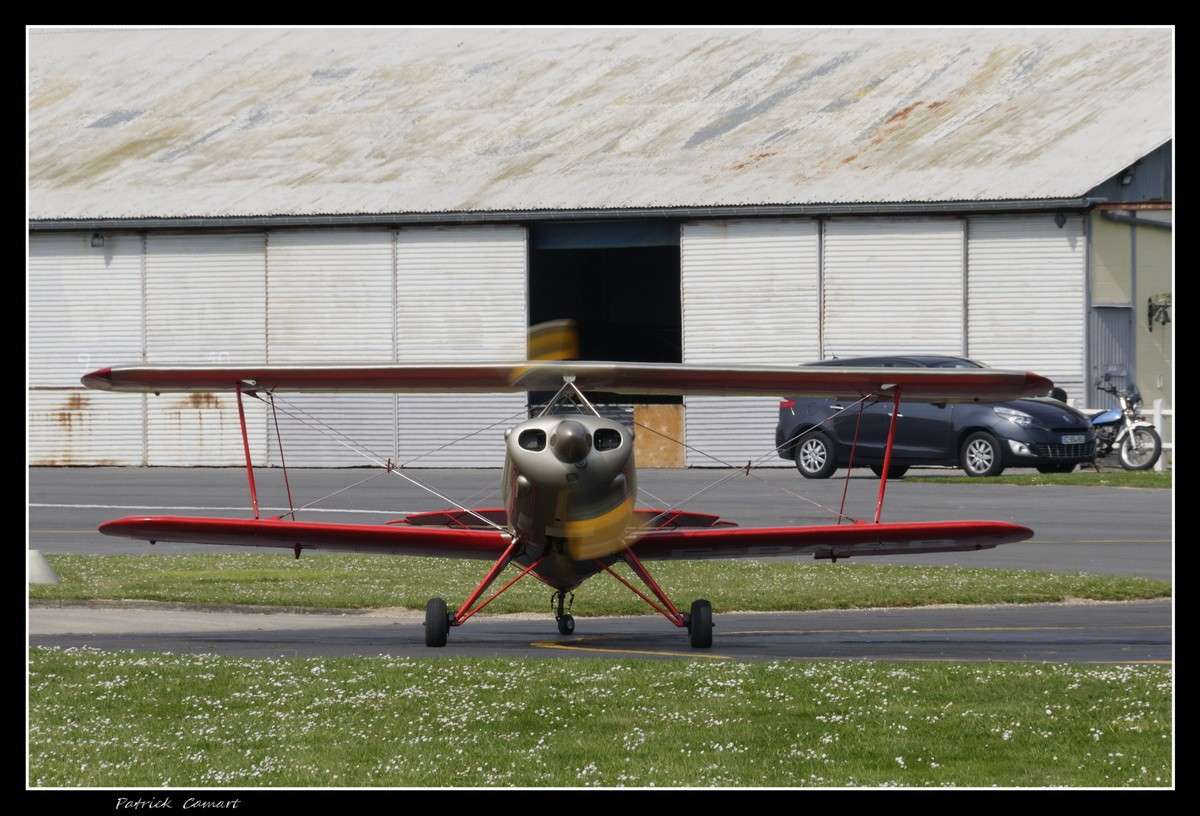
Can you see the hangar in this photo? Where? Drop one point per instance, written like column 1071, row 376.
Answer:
column 703, row 196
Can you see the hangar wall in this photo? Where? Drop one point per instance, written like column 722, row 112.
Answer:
column 1006, row 290
column 317, row 296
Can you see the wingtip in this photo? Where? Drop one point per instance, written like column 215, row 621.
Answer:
column 1036, row 385
column 100, row 379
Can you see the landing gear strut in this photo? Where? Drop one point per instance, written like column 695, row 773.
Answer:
column 699, row 622
column 438, row 620
column 566, row 623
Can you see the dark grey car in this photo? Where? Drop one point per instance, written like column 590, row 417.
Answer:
column 982, row 439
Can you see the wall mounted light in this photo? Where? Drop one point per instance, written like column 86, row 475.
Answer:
column 1060, row 219
column 97, row 239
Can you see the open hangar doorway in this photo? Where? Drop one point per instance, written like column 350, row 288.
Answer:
column 619, row 282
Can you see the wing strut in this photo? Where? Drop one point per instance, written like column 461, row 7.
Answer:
column 850, row 464
column 282, row 461
column 246, row 448
column 887, row 454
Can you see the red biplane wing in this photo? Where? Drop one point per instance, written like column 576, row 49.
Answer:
column 827, row 541
column 388, row 539
column 917, row 384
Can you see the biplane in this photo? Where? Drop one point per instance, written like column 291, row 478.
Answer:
column 569, row 484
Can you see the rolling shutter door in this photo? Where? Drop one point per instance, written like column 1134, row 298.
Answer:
column 330, row 300
column 749, row 298
column 460, row 298
column 85, row 312
column 1026, row 296
column 893, row 286
column 205, row 305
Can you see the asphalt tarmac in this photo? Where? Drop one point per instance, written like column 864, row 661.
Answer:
column 1084, row 632
column 1121, row 531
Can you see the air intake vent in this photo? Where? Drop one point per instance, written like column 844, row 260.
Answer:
column 532, row 440
column 606, row 439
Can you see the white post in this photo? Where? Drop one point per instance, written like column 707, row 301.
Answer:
column 1158, row 426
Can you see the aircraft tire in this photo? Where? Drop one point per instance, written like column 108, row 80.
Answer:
column 437, row 622
column 700, row 625
column 566, row 625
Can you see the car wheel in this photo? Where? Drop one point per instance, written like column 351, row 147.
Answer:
column 894, row 472
column 980, row 455
column 814, row 456
column 1056, row 468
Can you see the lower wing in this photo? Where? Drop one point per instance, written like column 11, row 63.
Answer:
column 388, row 539
column 828, row 541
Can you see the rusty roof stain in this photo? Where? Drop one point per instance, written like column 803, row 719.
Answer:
column 214, row 122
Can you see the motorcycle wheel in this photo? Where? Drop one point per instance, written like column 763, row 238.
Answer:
column 1148, row 450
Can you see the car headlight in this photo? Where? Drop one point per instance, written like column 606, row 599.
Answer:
column 1014, row 416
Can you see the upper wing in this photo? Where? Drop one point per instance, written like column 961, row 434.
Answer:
column 828, row 541
column 918, row 384
column 397, row 539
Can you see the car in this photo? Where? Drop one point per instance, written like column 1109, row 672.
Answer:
column 982, row 439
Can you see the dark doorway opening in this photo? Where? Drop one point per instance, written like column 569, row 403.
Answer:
column 619, row 283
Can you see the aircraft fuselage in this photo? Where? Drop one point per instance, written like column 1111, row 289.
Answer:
column 569, row 487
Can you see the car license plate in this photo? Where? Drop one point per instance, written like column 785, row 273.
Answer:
column 1074, row 439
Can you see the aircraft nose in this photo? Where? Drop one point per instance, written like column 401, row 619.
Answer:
column 570, row 441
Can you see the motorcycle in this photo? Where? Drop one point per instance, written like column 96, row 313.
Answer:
column 1137, row 444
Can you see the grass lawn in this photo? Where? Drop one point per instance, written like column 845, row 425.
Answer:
column 347, row 582
column 135, row 719
column 1080, row 478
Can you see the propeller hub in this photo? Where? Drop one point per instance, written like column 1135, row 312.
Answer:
column 570, row 442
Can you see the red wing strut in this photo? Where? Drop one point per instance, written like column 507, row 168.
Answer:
column 828, row 541
column 388, row 539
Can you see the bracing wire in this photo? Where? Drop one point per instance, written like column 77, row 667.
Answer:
column 348, row 443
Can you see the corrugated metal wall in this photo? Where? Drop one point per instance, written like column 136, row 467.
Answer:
column 205, row 305
column 289, row 296
column 1026, row 296
column 461, row 297
column 330, row 300
column 893, row 286
column 84, row 311
column 749, row 296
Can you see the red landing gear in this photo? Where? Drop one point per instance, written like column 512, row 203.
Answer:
column 699, row 622
column 438, row 621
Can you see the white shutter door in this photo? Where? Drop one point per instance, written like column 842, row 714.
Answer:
column 749, row 297
column 460, row 298
column 84, row 312
column 330, row 300
column 205, row 305
column 1026, row 296
column 893, row 286
column 80, row 427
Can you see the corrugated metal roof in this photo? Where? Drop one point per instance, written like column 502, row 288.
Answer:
column 172, row 123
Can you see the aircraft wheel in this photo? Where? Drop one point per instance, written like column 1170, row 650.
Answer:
column 566, row 625
column 437, row 622
column 700, row 625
